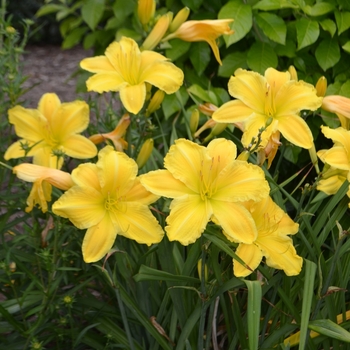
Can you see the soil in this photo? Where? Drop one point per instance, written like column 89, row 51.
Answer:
column 51, row 69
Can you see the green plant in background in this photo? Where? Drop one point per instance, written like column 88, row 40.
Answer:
column 251, row 257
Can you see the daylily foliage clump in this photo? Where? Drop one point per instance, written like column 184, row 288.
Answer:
column 198, row 198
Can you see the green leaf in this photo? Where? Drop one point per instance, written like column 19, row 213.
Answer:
column 206, row 96
column 200, row 56
column 329, row 26
column 330, row 329
column 192, row 4
column 74, row 37
column 268, row 5
column 327, row 53
column 243, row 20
column 288, row 50
column 307, row 32
column 50, row 8
column 346, row 46
column 122, row 9
column 272, row 26
column 345, row 89
column 171, row 103
column 178, row 48
column 92, row 12
column 261, row 56
column 231, row 62
column 254, row 311
column 343, row 20
column 319, row 9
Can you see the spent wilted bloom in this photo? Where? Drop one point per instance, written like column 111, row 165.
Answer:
column 273, row 242
column 126, row 69
column 108, row 199
column 43, row 178
column 204, row 30
column 51, row 131
column 116, row 136
column 272, row 101
column 207, row 183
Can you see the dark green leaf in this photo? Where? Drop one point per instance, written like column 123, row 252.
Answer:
column 268, row 5
column 192, row 4
column 330, row 329
column 327, row 53
column 272, row 26
column 261, row 56
column 288, row 50
column 74, row 37
column 319, row 9
column 329, row 26
column 178, row 48
column 92, row 11
column 231, row 62
column 346, row 46
column 200, row 56
column 343, row 20
column 123, row 8
column 50, row 8
column 242, row 15
column 307, row 32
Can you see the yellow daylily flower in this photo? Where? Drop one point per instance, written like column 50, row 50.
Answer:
column 339, row 105
column 273, row 226
column 205, row 30
column 51, row 129
column 108, row 199
column 126, row 69
column 43, row 178
column 332, row 179
column 207, row 183
column 116, row 136
column 274, row 100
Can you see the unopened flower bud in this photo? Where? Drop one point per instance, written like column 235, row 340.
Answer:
column 155, row 102
column 180, row 18
column 321, row 86
column 158, row 31
column 10, row 30
column 145, row 153
column 244, row 155
column 217, row 130
column 145, row 10
column 207, row 108
column 313, row 157
column 199, row 269
column 194, row 120
column 293, row 73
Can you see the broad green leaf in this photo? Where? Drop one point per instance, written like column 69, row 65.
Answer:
column 268, row 5
column 74, row 37
column 346, row 46
column 123, row 8
column 307, row 32
column 261, row 56
column 327, row 53
column 343, row 20
column 231, row 62
column 206, row 96
column 192, row 4
column 288, row 50
column 272, row 26
column 345, row 89
column 171, row 103
column 330, row 329
column 329, row 26
column 50, row 8
column 128, row 33
column 89, row 40
column 253, row 313
column 200, row 56
column 319, row 9
column 178, row 48
column 222, row 95
column 243, row 20
column 92, row 11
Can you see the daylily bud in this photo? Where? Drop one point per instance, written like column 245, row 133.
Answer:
column 180, row 18
column 314, row 158
column 194, row 121
column 144, row 153
column 158, row 31
column 321, row 87
column 293, row 73
column 10, row 30
column 207, row 108
column 244, row 155
column 209, row 124
column 155, row 102
column 145, row 10
column 148, row 91
column 199, row 269
column 217, row 129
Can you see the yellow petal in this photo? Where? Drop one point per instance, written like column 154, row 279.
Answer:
column 252, row 126
column 223, row 150
column 117, row 172
column 163, row 183
column 295, row 130
column 164, row 75
column 250, row 88
column 235, row 220
column 98, row 240
column 133, row 97
column 232, row 112
column 97, row 64
column 15, row 150
column 138, row 193
column 78, row 146
column 137, row 222
column 241, row 182
column 149, row 57
column 281, row 254
column 87, row 175
column 336, row 157
column 188, row 219
column 83, row 206
column 39, row 195
column 48, row 105
column 103, row 82
column 276, row 79
column 185, row 160
column 340, row 135
column 251, row 255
